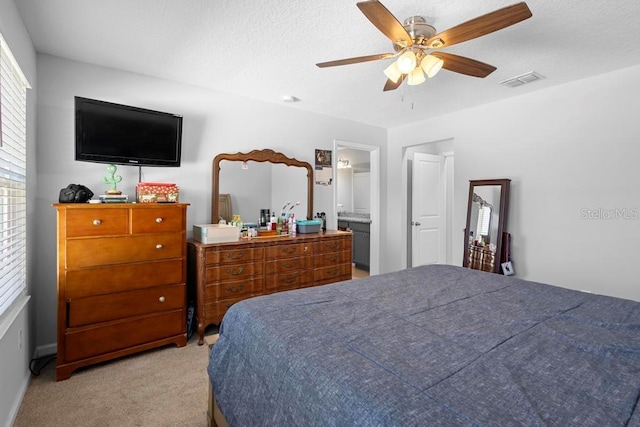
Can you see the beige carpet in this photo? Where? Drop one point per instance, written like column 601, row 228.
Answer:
column 162, row 387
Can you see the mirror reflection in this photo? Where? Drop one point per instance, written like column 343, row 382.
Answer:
column 353, row 181
column 256, row 186
column 250, row 184
column 484, row 215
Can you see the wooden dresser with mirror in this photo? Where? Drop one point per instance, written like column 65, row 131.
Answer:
column 225, row 273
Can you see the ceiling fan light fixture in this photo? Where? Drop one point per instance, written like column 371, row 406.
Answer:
column 392, row 72
column 436, row 44
column 407, row 62
column 416, row 77
column 431, row 65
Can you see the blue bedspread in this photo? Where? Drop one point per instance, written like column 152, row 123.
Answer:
column 432, row 345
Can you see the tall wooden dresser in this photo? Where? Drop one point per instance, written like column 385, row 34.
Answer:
column 225, row 273
column 121, row 281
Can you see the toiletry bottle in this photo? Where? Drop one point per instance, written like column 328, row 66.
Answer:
column 294, row 226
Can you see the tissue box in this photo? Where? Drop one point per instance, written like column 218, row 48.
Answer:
column 215, row 233
column 157, row 192
column 306, row 226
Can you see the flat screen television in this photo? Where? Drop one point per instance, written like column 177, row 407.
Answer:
column 121, row 134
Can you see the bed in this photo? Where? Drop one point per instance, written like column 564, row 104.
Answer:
column 431, row 345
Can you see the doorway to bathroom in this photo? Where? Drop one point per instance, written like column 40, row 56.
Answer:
column 356, row 201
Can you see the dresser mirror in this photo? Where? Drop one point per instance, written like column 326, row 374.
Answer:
column 262, row 179
column 486, row 219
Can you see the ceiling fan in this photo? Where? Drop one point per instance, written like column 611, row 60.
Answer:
column 417, row 45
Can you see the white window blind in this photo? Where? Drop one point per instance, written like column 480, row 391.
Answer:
column 484, row 221
column 13, row 186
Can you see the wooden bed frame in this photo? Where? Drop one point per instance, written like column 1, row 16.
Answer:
column 215, row 418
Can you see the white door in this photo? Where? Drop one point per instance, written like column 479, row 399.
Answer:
column 428, row 220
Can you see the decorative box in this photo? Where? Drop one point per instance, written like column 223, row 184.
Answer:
column 307, row 226
column 157, row 192
column 215, row 233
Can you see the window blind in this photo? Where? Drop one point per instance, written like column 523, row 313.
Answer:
column 485, row 218
column 13, row 185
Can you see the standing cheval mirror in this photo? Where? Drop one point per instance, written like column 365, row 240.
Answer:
column 486, row 220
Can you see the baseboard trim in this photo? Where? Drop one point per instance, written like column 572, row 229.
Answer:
column 45, row 350
column 15, row 407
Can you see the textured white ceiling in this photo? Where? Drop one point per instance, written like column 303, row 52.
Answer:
column 267, row 49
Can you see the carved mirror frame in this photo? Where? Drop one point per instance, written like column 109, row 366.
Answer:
column 265, row 155
column 502, row 219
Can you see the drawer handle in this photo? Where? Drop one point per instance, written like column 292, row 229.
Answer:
column 238, row 288
column 161, row 299
column 97, row 222
column 235, row 272
column 159, row 246
column 332, row 258
column 289, row 250
column 333, row 272
column 332, row 245
column 239, row 255
column 291, row 264
column 159, row 220
column 289, row 279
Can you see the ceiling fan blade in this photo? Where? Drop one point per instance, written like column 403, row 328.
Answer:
column 481, row 26
column 391, row 85
column 462, row 65
column 356, row 60
column 384, row 21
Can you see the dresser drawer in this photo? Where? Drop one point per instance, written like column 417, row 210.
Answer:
column 288, row 281
column 118, row 250
column 232, row 289
column 331, row 245
column 333, row 272
column 234, row 271
column 288, row 265
column 287, row 251
column 331, row 258
column 104, row 280
column 83, row 311
column 214, row 311
column 111, row 336
column 233, row 256
column 96, row 222
column 157, row 220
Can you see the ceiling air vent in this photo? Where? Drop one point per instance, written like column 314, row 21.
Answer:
column 529, row 77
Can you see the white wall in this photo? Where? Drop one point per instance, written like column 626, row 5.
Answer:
column 344, row 191
column 16, row 344
column 214, row 122
column 570, row 151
